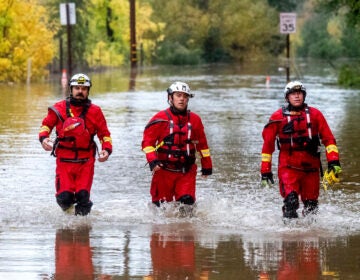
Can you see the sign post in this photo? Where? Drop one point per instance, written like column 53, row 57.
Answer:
column 287, row 26
column 68, row 18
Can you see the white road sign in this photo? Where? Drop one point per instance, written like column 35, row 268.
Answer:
column 287, row 23
column 72, row 13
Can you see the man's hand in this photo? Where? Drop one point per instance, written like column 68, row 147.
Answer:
column 47, row 144
column 103, row 156
column 335, row 167
column 266, row 179
column 157, row 168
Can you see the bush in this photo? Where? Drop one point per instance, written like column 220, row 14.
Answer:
column 177, row 54
column 349, row 76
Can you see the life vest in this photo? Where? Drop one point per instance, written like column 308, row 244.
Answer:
column 177, row 151
column 296, row 132
column 74, row 137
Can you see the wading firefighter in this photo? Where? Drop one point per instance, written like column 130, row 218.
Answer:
column 76, row 121
column 170, row 141
column 298, row 130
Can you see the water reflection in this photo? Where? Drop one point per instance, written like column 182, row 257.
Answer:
column 173, row 254
column 73, row 255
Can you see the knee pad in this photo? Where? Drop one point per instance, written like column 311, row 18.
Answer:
column 186, row 199
column 65, row 200
column 83, row 206
column 291, row 204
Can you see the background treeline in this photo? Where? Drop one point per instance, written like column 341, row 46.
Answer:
column 173, row 32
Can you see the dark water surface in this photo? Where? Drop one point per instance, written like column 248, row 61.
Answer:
column 237, row 231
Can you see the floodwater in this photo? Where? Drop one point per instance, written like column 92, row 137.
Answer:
column 236, row 231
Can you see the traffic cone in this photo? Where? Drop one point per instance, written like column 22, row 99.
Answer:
column 64, row 78
column 267, row 83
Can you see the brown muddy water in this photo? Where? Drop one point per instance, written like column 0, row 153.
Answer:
column 236, row 232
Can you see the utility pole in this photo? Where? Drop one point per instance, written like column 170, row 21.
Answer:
column 68, row 18
column 68, row 29
column 287, row 57
column 133, row 51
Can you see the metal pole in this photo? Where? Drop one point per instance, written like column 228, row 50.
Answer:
column 288, row 57
column 133, row 56
column 69, row 38
column 61, row 64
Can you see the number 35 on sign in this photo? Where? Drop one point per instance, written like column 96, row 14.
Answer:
column 287, row 23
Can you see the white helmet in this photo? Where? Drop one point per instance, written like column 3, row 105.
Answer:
column 80, row 80
column 293, row 87
column 179, row 87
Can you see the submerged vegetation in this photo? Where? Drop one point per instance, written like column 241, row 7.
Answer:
column 173, row 32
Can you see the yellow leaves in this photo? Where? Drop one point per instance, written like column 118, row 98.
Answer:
column 246, row 26
column 334, row 28
column 105, row 55
column 26, row 39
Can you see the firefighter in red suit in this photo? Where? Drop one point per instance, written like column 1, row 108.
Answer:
column 76, row 121
column 298, row 131
column 170, row 141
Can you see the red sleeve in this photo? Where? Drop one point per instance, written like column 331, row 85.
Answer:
column 49, row 122
column 103, row 132
column 269, row 134
column 152, row 135
column 327, row 137
column 202, row 146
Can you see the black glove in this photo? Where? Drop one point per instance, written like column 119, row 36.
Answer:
column 334, row 166
column 266, row 179
column 154, row 163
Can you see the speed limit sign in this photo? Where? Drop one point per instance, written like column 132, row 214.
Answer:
column 287, row 23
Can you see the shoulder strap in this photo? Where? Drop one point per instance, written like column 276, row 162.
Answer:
column 83, row 113
column 68, row 110
column 85, row 110
column 308, row 121
column 154, row 122
column 57, row 113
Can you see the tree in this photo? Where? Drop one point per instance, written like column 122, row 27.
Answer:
column 247, row 28
column 25, row 41
column 346, row 13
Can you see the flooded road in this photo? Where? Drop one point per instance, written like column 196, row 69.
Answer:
column 237, row 231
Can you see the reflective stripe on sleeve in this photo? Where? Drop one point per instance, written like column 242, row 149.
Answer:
column 107, row 139
column 205, row 153
column 332, row 148
column 148, row 149
column 266, row 157
column 44, row 128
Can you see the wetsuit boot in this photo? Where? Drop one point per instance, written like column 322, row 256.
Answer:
column 310, row 207
column 186, row 206
column 84, row 204
column 291, row 204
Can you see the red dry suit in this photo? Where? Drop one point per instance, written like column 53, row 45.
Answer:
column 73, row 254
column 298, row 134
column 74, row 146
column 172, row 257
column 172, row 140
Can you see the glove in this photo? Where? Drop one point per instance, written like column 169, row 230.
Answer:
column 266, row 179
column 335, row 167
column 331, row 175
